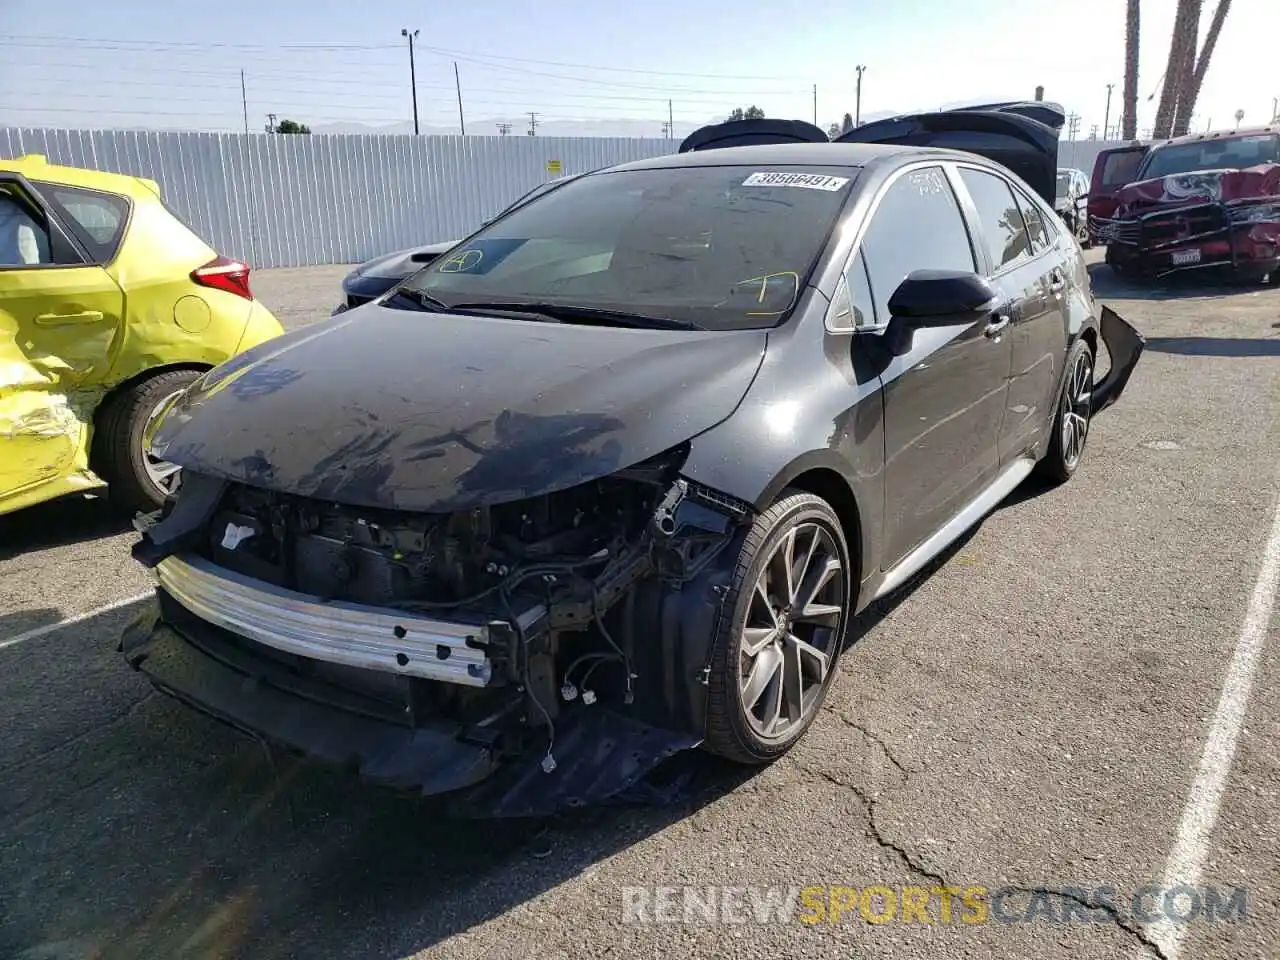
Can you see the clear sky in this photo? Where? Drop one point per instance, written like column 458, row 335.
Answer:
column 177, row 64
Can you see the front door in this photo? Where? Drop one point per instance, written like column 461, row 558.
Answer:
column 944, row 398
column 59, row 317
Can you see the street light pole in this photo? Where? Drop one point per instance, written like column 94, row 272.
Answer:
column 857, row 99
column 1106, row 120
column 413, row 80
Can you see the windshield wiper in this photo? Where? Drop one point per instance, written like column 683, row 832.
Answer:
column 419, row 299
column 571, row 313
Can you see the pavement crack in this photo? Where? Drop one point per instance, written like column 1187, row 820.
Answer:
column 873, row 829
column 916, row 866
column 1117, row 919
column 875, row 738
column 118, row 718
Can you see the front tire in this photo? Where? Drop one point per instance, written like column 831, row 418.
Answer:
column 1073, row 417
column 136, row 480
column 776, row 653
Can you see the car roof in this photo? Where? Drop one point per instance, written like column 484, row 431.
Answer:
column 35, row 166
column 1218, row 135
column 813, row 154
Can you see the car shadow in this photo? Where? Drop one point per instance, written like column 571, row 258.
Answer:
column 73, row 519
column 1215, row 346
column 1108, row 285
column 134, row 827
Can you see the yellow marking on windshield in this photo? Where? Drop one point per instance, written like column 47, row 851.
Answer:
column 462, row 261
column 764, row 288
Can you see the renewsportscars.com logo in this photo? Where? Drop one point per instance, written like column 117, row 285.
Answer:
column 973, row 904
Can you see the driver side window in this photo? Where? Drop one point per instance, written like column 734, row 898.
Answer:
column 917, row 226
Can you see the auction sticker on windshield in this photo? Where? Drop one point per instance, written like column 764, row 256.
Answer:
column 809, row 181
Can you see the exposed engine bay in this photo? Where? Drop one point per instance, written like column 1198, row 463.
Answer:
column 558, row 604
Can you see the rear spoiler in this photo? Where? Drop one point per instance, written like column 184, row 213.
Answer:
column 741, row 133
column 1020, row 135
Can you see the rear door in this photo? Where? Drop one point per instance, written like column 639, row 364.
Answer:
column 59, row 316
column 1023, row 264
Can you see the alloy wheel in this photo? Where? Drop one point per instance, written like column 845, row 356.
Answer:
column 789, row 641
column 1076, row 409
column 166, row 476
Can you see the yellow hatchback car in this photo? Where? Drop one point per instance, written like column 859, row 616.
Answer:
column 109, row 305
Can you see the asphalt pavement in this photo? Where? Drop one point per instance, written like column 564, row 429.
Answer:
column 1080, row 701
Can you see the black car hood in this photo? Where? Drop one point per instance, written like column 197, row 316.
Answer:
column 401, row 263
column 439, row 412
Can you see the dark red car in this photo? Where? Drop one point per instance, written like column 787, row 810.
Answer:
column 1203, row 201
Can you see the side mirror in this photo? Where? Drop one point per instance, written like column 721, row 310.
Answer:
column 939, row 298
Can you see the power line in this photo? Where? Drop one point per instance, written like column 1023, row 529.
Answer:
column 644, row 71
column 33, row 39
column 197, row 46
column 389, row 86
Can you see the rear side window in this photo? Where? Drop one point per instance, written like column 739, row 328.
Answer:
column 1002, row 226
column 917, row 226
column 1037, row 226
column 97, row 219
column 24, row 238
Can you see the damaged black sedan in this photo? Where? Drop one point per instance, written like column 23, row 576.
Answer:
column 610, row 479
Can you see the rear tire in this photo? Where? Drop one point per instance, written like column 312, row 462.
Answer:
column 1073, row 417
column 136, row 482
column 775, row 655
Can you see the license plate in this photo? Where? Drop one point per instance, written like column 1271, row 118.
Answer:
column 1183, row 257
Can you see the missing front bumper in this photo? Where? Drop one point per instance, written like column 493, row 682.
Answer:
column 599, row 753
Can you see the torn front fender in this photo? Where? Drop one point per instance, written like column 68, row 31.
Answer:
column 1124, row 345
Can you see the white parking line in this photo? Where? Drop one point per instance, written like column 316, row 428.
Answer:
column 49, row 628
column 1186, row 860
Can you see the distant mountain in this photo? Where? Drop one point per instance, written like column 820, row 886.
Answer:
column 519, row 127
column 616, row 127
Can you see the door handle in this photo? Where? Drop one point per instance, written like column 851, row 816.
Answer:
column 66, row 319
column 996, row 326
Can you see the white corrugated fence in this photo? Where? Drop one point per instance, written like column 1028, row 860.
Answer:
column 290, row 200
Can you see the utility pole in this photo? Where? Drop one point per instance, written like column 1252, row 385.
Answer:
column 857, row 99
column 1275, row 109
column 815, row 104
column 244, row 102
column 533, row 124
column 671, row 120
column 462, row 124
column 666, row 130
column 271, row 123
column 1073, row 125
column 413, row 78
column 1106, row 122
column 504, row 129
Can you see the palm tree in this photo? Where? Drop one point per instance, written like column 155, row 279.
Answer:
column 1187, row 104
column 1180, row 65
column 1129, row 122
